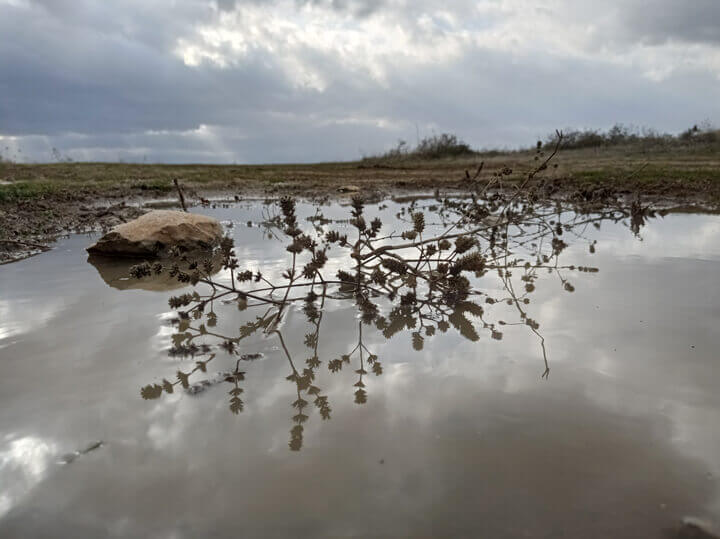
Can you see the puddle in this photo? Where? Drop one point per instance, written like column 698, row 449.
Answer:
column 576, row 395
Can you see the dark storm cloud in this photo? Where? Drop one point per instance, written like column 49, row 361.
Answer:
column 356, row 7
column 694, row 21
column 108, row 81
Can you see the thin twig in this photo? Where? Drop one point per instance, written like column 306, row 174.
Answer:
column 180, row 194
column 636, row 171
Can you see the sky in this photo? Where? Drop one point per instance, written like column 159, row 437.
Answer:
column 270, row 81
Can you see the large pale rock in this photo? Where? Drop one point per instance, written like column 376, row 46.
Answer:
column 154, row 233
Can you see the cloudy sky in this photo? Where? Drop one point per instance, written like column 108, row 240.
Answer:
column 256, row 81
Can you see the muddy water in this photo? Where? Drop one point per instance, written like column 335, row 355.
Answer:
column 461, row 438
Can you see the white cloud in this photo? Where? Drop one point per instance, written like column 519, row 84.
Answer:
column 303, row 38
column 23, row 464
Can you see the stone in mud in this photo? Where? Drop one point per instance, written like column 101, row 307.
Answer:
column 696, row 528
column 155, row 232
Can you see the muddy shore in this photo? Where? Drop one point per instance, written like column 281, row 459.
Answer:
column 42, row 202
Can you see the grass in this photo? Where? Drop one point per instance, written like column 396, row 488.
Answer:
column 25, row 190
column 626, row 166
column 650, row 173
column 40, row 201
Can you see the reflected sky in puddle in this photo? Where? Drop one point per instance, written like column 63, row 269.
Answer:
column 458, row 439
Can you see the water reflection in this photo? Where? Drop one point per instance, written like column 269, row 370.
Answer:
column 115, row 272
column 459, row 438
column 24, row 462
column 469, row 266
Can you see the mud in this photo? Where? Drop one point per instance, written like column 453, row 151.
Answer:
column 30, row 226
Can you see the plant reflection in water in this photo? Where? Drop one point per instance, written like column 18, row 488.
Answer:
column 429, row 278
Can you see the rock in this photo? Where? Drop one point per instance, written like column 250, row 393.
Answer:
column 348, row 189
column 153, row 233
column 696, row 528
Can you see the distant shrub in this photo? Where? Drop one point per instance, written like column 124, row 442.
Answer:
column 432, row 147
column 619, row 135
column 445, row 145
column 705, row 134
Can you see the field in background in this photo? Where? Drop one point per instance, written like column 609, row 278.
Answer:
column 654, row 171
column 38, row 202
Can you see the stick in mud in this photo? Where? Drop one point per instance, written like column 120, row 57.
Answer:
column 180, row 194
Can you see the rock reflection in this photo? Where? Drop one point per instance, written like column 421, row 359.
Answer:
column 116, row 274
column 458, row 262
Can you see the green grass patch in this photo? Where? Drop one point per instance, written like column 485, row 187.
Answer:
column 25, row 190
column 649, row 174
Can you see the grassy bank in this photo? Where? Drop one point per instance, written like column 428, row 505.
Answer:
column 675, row 171
column 38, row 202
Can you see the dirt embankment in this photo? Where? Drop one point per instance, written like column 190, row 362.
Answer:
column 31, row 226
